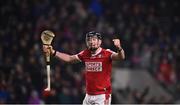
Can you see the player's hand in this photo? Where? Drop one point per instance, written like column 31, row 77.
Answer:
column 117, row 43
column 48, row 49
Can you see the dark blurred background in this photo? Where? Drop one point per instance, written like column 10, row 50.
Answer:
column 149, row 31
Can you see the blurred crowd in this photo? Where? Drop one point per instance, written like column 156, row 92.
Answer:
column 148, row 29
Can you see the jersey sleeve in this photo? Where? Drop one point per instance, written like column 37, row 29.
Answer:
column 110, row 53
column 80, row 55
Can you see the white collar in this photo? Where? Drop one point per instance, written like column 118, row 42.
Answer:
column 99, row 50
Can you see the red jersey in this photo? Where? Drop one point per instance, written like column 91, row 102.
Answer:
column 98, row 71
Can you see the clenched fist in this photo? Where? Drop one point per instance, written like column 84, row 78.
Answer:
column 117, row 43
column 48, row 50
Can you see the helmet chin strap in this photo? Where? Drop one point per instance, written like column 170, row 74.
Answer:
column 93, row 49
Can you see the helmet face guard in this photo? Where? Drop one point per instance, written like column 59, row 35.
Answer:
column 90, row 35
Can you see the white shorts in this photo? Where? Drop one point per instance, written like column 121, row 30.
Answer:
column 102, row 99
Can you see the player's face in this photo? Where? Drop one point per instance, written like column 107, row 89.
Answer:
column 93, row 43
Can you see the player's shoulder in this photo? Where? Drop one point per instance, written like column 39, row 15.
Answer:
column 108, row 51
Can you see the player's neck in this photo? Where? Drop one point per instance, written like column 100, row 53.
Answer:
column 96, row 51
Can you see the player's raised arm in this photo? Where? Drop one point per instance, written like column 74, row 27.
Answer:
column 120, row 52
column 62, row 56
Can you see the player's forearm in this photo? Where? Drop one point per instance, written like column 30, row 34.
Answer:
column 63, row 56
column 121, row 54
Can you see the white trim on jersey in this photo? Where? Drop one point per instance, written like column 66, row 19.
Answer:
column 97, row 52
column 79, row 54
column 78, row 57
column 111, row 52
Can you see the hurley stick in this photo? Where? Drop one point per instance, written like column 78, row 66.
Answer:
column 47, row 37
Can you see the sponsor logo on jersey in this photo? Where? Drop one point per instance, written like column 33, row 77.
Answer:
column 93, row 66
